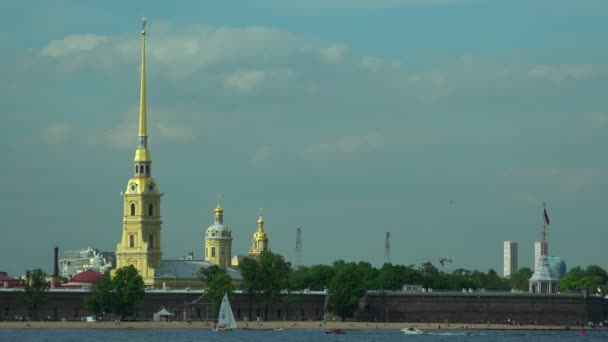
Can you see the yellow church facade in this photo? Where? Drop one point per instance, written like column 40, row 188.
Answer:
column 140, row 244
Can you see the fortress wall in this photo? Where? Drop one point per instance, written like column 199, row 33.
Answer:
column 69, row 304
column 443, row 308
column 522, row 308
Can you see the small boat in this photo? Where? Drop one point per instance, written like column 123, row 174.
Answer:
column 225, row 320
column 411, row 331
column 334, row 332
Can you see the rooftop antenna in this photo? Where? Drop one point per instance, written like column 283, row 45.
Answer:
column 387, row 247
column 299, row 247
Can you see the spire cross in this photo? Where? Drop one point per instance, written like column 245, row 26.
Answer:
column 143, row 25
column 260, row 212
column 219, row 200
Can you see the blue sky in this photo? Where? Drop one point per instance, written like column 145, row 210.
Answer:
column 445, row 122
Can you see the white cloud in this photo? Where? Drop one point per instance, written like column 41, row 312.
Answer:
column 560, row 73
column 263, row 154
column 346, row 144
column 57, row 133
column 334, row 54
column 245, row 80
column 72, row 44
column 175, row 133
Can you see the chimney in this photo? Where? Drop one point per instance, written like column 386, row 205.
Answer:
column 56, row 263
column 55, row 275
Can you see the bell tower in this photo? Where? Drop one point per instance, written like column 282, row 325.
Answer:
column 260, row 239
column 218, row 239
column 140, row 245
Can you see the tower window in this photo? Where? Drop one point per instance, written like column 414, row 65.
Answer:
column 136, row 169
column 151, row 241
column 147, row 168
column 213, row 252
column 131, row 241
column 150, row 210
column 207, row 252
column 132, row 209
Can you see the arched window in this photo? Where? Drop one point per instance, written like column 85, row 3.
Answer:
column 131, row 241
column 132, row 209
column 207, row 252
column 147, row 168
column 150, row 210
column 213, row 252
column 151, row 241
column 136, row 169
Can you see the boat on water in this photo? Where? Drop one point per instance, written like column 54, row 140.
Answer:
column 225, row 320
column 411, row 331
column 334, row 332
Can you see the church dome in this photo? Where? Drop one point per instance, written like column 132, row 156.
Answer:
column 218, row 231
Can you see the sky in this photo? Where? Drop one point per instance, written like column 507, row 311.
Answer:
column 447, row 123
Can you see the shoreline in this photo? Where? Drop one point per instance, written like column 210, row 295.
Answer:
column 272, row 325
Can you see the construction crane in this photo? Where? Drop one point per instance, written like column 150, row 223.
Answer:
column 441, row 261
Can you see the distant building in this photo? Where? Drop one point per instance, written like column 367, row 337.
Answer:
column 75, row 262
column 557, row 265
column 540, row 249
column 510, row 258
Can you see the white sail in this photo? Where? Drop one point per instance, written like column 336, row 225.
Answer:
column 225, row 320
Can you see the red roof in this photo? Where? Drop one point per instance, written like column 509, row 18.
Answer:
column 87, row 276
column 4, row 277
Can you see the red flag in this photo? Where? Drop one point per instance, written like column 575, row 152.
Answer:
column 546, row 216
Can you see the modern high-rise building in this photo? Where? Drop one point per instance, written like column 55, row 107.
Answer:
column 540, row 249
column 510, row 258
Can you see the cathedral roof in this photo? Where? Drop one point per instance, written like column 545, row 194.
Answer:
column 188, row 269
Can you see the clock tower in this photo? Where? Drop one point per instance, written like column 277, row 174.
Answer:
column 141, row 244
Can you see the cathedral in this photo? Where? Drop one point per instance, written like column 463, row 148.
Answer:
column 140, row 244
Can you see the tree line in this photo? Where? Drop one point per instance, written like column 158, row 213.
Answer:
column 270, row 277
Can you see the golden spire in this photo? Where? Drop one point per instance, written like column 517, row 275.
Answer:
column 219, row 210
column 261, row 222
column 143, row 127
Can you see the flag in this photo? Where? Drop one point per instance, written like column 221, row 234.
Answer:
column 546, row 216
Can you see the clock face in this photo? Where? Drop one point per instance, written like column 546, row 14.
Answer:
column 133, row 186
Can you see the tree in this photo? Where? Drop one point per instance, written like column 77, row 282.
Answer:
column 520, row 279
column 251, row 284
column 206, row 274
column 35, row 290
column 129, row 288
column 274, row 276
column 102, row 298
column 346, row 290
column 218, row 283
column 318, row 277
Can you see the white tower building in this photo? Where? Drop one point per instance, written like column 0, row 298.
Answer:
column 540, row 248
column 510, row 258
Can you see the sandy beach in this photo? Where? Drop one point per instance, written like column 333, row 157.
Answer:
column 271, row 325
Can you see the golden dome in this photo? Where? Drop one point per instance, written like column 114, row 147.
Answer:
column 219, row 210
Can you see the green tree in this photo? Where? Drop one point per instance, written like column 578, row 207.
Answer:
column 318, row 277
column 129, row 288
column 102, row 298
column 35, row 290
column 206, row 274
column 251, row 284
column 274, row 276
column 571, row 279
column 346, row 290
column 520, row 279
column 218, row 283
column 595, row 270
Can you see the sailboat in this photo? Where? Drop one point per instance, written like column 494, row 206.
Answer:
column 225, row 320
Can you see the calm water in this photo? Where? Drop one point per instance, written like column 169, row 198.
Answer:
column 185, row 335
